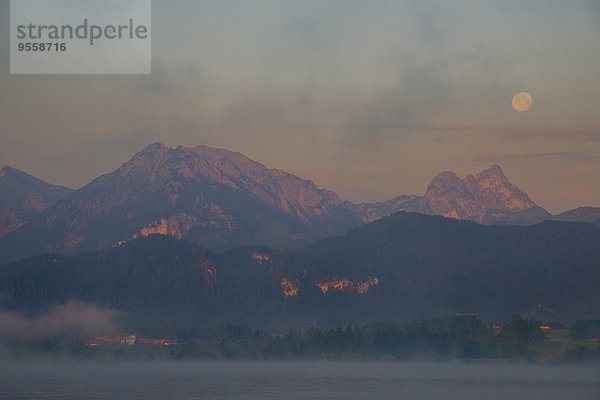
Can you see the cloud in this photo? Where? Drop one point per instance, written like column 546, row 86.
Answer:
column 402, row 90
column 74, row 317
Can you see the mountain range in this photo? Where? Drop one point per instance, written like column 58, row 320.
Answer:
column 487, row 198
column 22, row 197
column 404, row 266
column 221, row 200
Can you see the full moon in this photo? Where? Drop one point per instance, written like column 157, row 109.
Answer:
column 522, row 101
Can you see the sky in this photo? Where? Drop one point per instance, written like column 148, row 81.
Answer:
column 370, row 99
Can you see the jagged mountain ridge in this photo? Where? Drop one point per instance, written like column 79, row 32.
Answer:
column 487, row 198
column 214, row 197
column 22, row 196
column 221, row 199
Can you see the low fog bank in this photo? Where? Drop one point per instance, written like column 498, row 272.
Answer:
column 74, row 318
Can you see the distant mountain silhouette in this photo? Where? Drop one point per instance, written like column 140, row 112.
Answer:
column 221, row 199
column 404, row 266
column 22, row 197
column 581, row 214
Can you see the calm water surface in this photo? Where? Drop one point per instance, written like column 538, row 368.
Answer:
column 297, row 380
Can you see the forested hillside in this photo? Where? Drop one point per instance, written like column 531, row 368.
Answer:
column 400, row 267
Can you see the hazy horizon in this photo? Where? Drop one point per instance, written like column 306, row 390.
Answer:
column 371, row 100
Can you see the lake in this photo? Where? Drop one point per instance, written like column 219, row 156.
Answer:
column 297, row 380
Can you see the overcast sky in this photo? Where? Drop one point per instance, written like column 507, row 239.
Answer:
column 367, row 98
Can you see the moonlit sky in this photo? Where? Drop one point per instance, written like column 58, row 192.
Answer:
column 367, row 98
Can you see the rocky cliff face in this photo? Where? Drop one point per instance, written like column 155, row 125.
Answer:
column 214, row 197
column 22, row 197
column 294, row 196
column 487, row 197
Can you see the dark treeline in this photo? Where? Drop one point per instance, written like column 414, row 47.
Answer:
column 586, row 329
column 444, row 338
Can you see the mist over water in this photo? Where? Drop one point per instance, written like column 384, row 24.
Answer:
column 73, row 317
column 297, row 380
